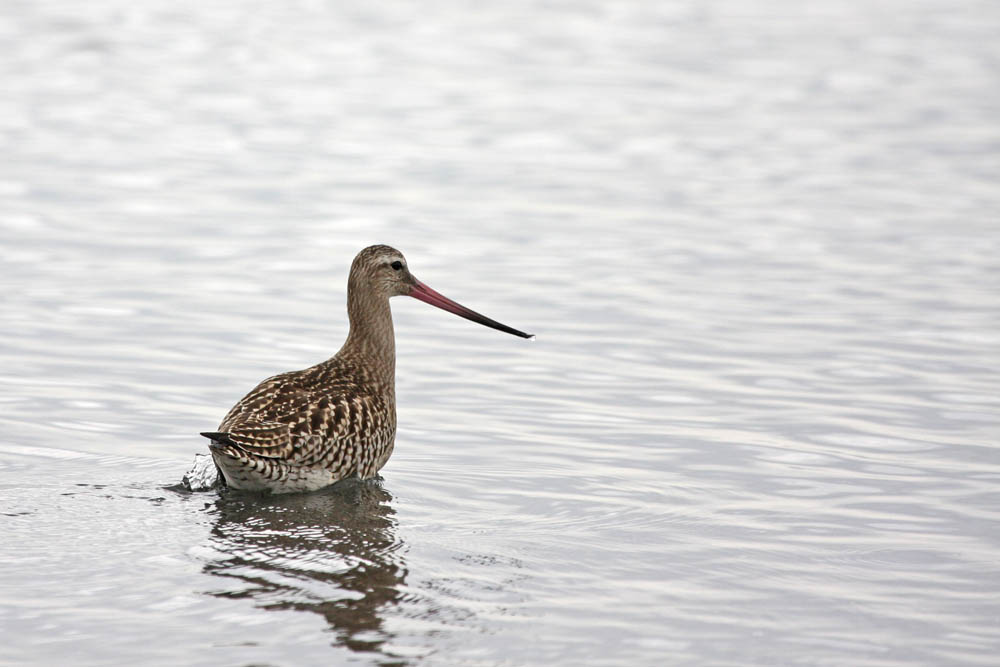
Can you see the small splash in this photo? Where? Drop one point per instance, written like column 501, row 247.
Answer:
column 202, row 476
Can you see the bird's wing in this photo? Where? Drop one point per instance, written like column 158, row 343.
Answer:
column 284, row 419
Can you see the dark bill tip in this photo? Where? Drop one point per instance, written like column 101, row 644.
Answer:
column 427, row 295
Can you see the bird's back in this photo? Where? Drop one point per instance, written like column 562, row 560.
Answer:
column 307, row 429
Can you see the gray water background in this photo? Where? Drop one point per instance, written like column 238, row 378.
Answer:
column 758, row 242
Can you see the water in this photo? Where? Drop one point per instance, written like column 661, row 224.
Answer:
column 757, row 241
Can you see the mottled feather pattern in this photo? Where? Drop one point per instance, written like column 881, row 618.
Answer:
column 323, row 417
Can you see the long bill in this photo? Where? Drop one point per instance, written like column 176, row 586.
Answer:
column 427, row 295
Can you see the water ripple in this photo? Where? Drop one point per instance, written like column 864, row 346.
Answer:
column 757, row 241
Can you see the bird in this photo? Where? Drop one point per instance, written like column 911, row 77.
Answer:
column 304, row 430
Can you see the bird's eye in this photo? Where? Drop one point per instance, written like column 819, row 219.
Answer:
column 397, row 265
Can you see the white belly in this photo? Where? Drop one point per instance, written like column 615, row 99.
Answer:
column 273, row 477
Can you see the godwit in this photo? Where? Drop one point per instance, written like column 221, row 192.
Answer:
column 307, row 429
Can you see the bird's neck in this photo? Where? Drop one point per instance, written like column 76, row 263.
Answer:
column 371, row 342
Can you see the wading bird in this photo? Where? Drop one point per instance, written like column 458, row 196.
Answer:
column 307, row 429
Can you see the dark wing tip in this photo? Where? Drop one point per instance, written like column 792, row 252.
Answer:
column 222, row 438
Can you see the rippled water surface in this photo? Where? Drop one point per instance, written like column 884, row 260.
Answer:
column 758, row 242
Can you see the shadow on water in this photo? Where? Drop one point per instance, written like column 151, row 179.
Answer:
column 333, row 553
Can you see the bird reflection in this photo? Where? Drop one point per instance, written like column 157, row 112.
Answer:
column 333, row 553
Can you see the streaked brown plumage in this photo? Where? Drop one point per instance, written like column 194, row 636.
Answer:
column 304, row 430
